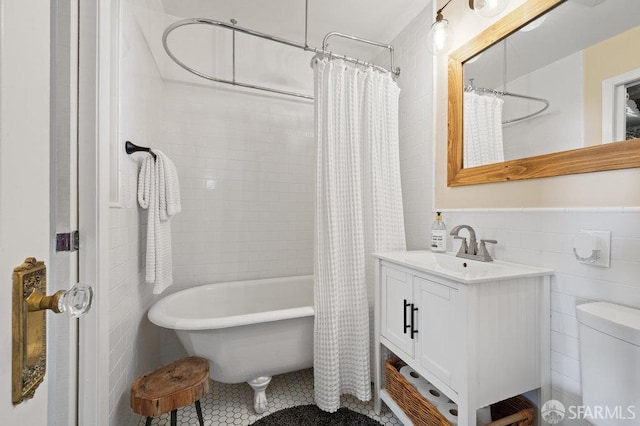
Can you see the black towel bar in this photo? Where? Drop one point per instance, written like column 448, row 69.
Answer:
column 130, row 148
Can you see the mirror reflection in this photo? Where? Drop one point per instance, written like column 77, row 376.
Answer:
column 567, row 80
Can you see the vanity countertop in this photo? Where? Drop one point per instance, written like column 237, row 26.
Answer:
column 465, row 271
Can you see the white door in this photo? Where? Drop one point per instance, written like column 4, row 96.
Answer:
column 25, row 228
column 33, row 104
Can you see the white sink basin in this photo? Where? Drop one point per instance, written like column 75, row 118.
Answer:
column 466, row 271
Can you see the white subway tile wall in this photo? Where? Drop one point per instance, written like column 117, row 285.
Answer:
column 246, row 163
column 133, row 340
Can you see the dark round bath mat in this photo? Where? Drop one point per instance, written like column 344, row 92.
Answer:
column 311, row 415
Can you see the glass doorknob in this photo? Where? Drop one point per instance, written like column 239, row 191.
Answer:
column 76, row 301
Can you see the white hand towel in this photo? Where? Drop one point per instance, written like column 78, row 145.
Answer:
column 159, row 192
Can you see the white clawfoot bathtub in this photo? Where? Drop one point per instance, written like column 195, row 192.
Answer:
column 248, row 330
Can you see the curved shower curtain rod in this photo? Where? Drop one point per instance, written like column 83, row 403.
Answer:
column 472, row 88
column 195, row 21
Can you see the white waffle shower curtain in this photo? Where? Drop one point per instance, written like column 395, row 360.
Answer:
column 358, row 212
column 482, row 129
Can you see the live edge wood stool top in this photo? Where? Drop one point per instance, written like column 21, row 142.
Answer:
column 170, row 387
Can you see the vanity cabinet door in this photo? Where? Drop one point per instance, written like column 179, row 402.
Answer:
column 436, row 347
column 396, row 298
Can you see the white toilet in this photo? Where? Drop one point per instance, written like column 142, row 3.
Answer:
column 610, row 363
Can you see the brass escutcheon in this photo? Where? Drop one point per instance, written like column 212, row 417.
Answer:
column 29, row 327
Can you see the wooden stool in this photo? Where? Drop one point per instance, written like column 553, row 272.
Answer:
column 170, row 387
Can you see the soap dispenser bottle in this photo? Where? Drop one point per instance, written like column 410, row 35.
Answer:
column 438, row 234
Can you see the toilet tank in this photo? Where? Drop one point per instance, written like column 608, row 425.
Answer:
column 610, row 363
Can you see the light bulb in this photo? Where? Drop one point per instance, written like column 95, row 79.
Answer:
column 489, row 8
column 440, row 37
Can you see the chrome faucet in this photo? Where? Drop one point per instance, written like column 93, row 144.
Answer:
column 472, row 251
column 472, row 248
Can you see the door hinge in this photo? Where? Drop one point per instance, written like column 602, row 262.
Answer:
column 69, row 241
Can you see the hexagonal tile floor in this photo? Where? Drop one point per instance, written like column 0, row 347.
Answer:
column 233, row 404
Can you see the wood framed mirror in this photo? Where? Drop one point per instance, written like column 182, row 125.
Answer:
column 620, row 154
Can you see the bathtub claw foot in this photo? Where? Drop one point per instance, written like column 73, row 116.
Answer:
column 259, row 386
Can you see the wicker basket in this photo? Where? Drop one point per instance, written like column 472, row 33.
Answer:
column 418, row 409
column 516, row 411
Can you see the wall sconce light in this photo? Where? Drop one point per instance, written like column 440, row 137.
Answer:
column 440, row 37
column 488, row 8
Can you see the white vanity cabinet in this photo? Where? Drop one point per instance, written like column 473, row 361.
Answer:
column 479, row 332
column 412, row 305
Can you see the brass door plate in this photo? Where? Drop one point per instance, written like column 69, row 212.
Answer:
column 29, row 330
